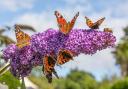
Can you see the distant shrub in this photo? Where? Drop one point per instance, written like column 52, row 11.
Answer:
column 121, row 84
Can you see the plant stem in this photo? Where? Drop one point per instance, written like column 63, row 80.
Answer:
column 4, row 68
column 23, row 84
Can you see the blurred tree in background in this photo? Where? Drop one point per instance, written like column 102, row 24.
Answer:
column 80, row 80
column 120, row 84
column 74, row 80
column 83, row 79
column 121, row 53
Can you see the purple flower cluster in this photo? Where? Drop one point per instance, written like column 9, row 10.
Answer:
column 21, row 60
column 78, row 41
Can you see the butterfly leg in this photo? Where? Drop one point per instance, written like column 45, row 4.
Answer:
column 55, row 73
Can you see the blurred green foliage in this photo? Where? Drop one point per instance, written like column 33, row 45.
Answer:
column 83, row 79
column 9, row 80
column 75, row 80
column 120, row 84
column 80, row 80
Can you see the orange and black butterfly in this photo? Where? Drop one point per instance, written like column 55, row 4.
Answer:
column 108, row 30
column 48, row 67
column 64, row 26
column 64, row 56
column 95, row 25
column 22, row 38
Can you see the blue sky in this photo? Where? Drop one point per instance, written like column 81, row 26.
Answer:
column 40, row 14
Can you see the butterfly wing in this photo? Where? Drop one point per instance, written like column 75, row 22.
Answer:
column 62, row 24
column 64, row 56
column 48, row 67
column 71, row 24
column 22, row 38
column 98, row 23
column 89, row 22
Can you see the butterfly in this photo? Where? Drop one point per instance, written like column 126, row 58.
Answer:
column 95, row 25
column 64, row 26
column 64, row 56
column 48, row 67
column 22, row 38
column 108, row 30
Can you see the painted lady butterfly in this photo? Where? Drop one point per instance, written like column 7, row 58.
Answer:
column 22, row 38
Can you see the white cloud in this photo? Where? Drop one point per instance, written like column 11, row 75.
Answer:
column 74, row 2
column 41, row 21
column 14, row 5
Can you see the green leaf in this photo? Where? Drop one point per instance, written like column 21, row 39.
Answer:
column 9, row 80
